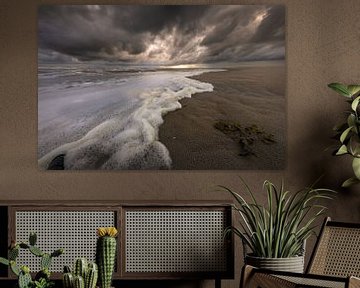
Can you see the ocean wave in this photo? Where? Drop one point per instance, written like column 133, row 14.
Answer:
column 130, row 141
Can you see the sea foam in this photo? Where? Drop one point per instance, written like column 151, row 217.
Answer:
column 127, row 136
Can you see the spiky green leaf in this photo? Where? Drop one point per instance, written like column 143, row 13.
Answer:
column 280, row 228
column 340, row 88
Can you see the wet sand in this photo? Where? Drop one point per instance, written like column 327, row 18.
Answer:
column 253, row 95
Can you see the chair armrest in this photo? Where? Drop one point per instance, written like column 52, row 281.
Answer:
column 255, row 277
column 246, row 273
column 252, row 277
column 354, row 282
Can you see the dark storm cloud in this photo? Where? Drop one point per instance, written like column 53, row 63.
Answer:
column 169, row 34
column 272, row 26
column 154, row 19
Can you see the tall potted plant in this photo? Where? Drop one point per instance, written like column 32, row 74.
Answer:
column 349, row 131
column 276, row 233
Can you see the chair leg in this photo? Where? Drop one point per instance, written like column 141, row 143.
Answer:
column 217, row 282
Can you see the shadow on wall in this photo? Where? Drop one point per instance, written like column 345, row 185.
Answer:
column 316, row 147
column 333, row 169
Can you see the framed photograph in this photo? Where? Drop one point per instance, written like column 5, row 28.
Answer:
column 174, row 87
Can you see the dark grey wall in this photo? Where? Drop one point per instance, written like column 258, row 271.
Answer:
column 323, row 46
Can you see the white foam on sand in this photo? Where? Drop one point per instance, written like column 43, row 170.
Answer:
column 127, row 136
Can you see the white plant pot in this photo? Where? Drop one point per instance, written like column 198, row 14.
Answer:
column 291, row 264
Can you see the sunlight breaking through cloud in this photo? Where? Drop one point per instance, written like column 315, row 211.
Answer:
column 162, row 35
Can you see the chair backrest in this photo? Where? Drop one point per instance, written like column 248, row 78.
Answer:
column 337, row 251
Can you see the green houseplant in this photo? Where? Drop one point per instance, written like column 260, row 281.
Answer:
column 275, row 233
column 349, row 132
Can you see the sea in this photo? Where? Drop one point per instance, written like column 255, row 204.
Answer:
column 107, row 116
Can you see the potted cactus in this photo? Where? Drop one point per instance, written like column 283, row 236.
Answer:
column 42, row 278
column 84, row 275
column 106, row 254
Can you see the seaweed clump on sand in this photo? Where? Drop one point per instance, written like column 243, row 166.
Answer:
column 245, row 136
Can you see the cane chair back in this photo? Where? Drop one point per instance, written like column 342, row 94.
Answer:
column 337, row 252
column 335, row 262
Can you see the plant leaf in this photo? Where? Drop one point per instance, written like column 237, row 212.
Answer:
column 349, row 182
column 279, row 228
column 353, row 89
column 355, row 145
column 340, row 88
column 355, row 103
column 345, row 134
column 14, row 268
column 4, row 261
column 342, row 150
column 356, row 167
column 351, row 120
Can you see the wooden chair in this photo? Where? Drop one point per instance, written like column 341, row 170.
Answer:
column 335, row 262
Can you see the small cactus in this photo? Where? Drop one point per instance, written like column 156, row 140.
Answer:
column 68, row 280
column 25, row 269
column 14, row 268
column 24, row 246
column 32, row 238
column 106, row 254
column 67, row 269
column 91, row 276
column 13, row 253
column 79, row 282
column 57, row 252
column 80, row 267
column 45, row 261
column 36, row 251
column 24, row 278
column 88, row 273
column 44, row 273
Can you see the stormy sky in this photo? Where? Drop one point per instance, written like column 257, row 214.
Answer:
column 161, row 35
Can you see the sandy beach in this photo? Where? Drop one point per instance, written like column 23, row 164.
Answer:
column 253, row 95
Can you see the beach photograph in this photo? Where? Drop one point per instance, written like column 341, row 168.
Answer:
column 161, row 87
